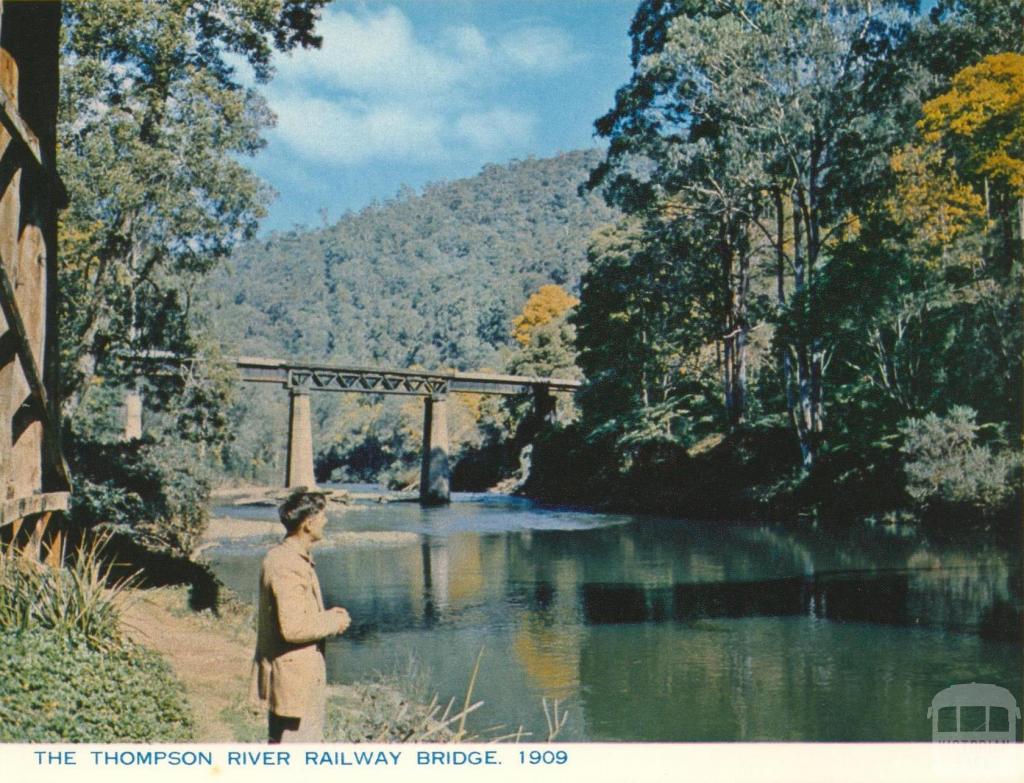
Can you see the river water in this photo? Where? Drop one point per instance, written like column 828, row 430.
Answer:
column 652, row 629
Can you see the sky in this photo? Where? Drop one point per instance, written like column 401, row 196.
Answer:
column 416, row 91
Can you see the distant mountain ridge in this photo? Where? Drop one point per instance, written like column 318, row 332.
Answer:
column 431, row 279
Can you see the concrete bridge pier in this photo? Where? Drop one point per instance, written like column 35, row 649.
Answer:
column 132, row 416
column 543, row 404
column 435, row 474
column 300, row 441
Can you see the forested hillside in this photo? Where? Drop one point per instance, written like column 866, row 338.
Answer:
column 431, row 279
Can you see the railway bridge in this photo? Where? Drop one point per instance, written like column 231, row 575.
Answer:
column 300, row 379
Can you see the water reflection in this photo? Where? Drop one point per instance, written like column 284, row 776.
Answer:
column 667, row 630
column 961, row 599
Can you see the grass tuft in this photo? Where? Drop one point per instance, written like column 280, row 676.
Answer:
column 76, row 602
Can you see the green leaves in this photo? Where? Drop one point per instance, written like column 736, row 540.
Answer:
column 792, row 245
column 640, row 330
column 433, row 279
column 946, row 461
column 56, row 690
column 154, row 128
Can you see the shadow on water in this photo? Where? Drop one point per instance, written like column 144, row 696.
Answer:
column 893, row 598
column 897, row 598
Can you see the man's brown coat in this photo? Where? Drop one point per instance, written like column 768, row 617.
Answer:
column 291, row 674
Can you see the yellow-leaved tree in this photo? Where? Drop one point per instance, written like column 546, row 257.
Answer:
column 980, row 120
column 543, row 306
column 965, row 175
column 931, row 197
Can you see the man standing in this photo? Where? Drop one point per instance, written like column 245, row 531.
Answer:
column 291, row 676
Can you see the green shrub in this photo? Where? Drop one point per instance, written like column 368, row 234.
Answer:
column 946, row 462
column 154, row 491
column 53, row 689
column 76, row 602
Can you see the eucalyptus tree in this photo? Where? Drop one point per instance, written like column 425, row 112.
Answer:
column 937, row 260
column 673, row 159
column 638, row 334
column 959, row 33
column 769, row 119
column 154, row 126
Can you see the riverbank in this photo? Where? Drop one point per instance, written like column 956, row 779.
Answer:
column 211, row 656
column 754, row 474
column 244, row 494
column 210, row 653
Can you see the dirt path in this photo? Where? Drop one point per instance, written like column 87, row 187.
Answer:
column 210, row 655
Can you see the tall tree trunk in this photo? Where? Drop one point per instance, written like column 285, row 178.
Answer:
column 780, row 292
column 740, row 377
column 817, row 352
column 727, row 379
column 725, row 256
column 735, row 269
column 805, row 405
column 1020, row 224
column 741, row 328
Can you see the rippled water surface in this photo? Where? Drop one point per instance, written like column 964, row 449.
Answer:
column 661, row 629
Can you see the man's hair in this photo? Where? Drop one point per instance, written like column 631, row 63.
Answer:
column 301, row 504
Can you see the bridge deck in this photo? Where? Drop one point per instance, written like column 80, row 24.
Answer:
column 317, row 376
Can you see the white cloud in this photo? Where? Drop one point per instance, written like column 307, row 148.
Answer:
column 469, row 43
column 370, row 53
column 539, row 48
column 329, row 132
column 378, row 90
column 495, row 129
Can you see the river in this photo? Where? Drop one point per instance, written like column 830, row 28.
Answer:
column 651, row 629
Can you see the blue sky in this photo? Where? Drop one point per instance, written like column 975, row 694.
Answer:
column 416, row 91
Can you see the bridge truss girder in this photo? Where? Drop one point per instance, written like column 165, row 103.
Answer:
column 369, row 380
column 366, row 381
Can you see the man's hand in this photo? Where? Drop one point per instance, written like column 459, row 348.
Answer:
column 344, row 621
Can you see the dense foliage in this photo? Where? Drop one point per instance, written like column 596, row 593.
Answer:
column 823, row 235
column 56, row 690
column 795, row 274
column 154, row 125
column 76, row 602
column 69, row 674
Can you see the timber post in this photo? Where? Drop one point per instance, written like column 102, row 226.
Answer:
column 34, row 480
column 300, row 440
column 435, row 474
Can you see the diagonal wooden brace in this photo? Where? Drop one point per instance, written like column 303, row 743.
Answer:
column 23, row 137
column 23, row 348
